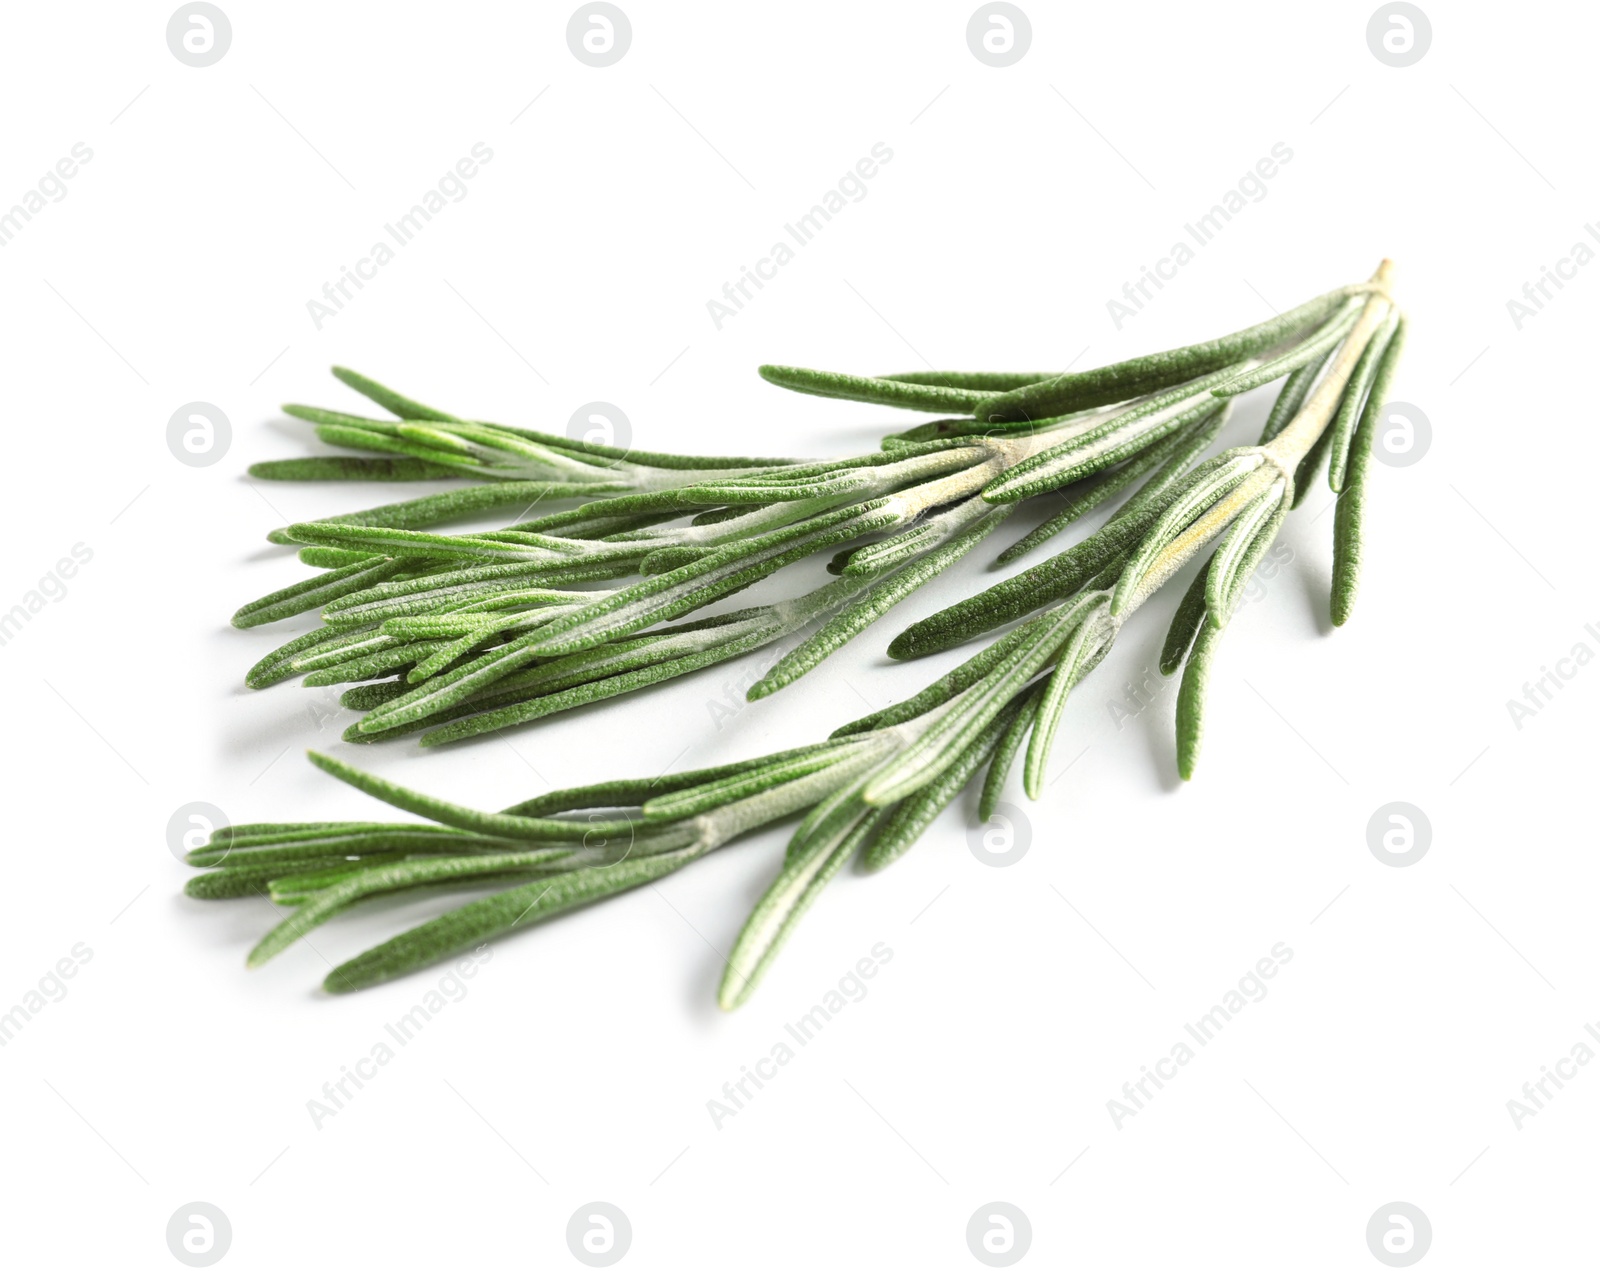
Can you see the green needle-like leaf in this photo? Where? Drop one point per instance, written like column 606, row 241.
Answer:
column 1177, row 452
column 399, row 655
column 228, row 884
column 350, row 840
column 1186, row 620
column 1110, row 443
column 314, row 592
column 1211, row 481
column 1156, row 371
column 1093, row 631
column 947, row 687
column 906, row 821
column 967, row 715
column 387, row 878
column 1192, row 695
column 1355, row 396
column 541, row 706
column 1005, row 752
column 348, row 468
column 472, row 924
column 498, row 824
column 452, row 505
column 1233, row 552
column 1347, row 514
column 1302, row 354
column 866, row 388
column 980, row 381
column 883, row 596
column 779, row 910
column 390, row 400
column 1266, row 532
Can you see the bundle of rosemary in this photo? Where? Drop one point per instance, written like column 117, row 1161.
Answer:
column 469, row 633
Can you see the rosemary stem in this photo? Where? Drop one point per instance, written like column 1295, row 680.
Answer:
column 1283, row 453
column 1291, row 445
column 1184, row 548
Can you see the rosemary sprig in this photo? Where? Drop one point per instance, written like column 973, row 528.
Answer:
column 692, row 532
column 500, row 641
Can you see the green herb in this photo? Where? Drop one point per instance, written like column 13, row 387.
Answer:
column 488, row 623
column 487, row 630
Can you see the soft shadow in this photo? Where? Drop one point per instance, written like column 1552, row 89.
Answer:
column 269, row 551
column 1156, row 728
column 1316, row 588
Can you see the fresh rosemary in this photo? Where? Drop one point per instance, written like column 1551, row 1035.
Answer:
column 463, row 634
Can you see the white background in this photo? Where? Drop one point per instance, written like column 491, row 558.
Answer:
column 979, row 1066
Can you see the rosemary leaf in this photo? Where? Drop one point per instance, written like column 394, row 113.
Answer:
column 316, row 591
column 1191, row 697
column 451, row 505
column 348, row 468
column 718, row 574
column 1111, row 442
column 381, row 878
column 390, row 400
column 228, row 884
column 947, row 686
column 980, row 381
column 883, row 596
column 967, row 715
column 1262, row 539
column 481, row 920
column 595, row 691
column 1178, row 451
column 496, row 824
column 866, row 388
column 1233, row 551
column 634, row 793
column 348, row 841
column 1309, row 351
column 1186, row 620
column 906, row 821
column 1355, row 396
column 1093, row 631
column 280, row 665
column 1208, row 484
column 1005, row 752
column 694, row 800
column 1347, row 514
column 399, row 655
column 783, row 904
column 1155, row 371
